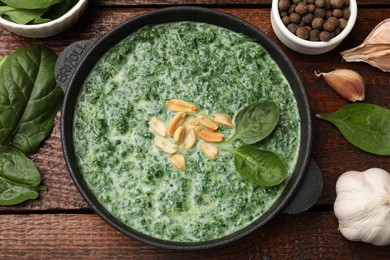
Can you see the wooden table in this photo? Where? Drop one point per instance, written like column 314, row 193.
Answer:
column 60, row 224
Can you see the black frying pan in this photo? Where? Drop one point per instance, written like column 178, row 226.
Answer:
column 76, row 62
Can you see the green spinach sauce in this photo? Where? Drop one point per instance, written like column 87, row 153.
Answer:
column 218, row 70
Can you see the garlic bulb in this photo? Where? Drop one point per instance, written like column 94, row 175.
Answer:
column 362, row 206
column 375, row 49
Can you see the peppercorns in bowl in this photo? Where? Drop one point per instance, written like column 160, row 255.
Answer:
column 313, row 26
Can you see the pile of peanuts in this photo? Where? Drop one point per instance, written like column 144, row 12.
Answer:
column 315, row 20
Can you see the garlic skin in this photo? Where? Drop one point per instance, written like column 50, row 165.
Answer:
column 375, row 49
column 348, row 83
column 362, row 206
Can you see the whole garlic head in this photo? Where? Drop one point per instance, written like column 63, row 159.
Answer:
column 362, row 206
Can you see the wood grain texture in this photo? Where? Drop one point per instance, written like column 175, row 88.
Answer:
column 86, row 236
column 330, row 150
column 236, row 3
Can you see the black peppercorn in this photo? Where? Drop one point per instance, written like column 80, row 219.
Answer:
column 301, row 9
column 317, row 23
column 292, row 9
column 286, row 20
column 338, row 13
column 314, row 35
column 292, row 27
column 324, row 36
column 319, row 12
column 311, row 8
column 337, row 31
column 342, row 23
column 296, row 1
column 284, row 5
column 331, row 24
column 307, row 19
column 320, row 3
column 337, row 3
column 303, row 33
column 346, row 13
column 295, row 18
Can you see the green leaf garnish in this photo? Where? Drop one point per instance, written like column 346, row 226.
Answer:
column 366, row 126
column 255, row 122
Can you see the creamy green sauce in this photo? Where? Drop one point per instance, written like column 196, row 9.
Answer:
column 218, row 70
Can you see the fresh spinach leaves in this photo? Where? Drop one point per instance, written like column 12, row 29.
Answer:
column 58, row 10
column 31, row 4
column 20, row 16
column 19, row 178
column 29, row 97
column 366, row 126
column 262, row 167
column 255, row 122
column 34, row 11
column 29, row 102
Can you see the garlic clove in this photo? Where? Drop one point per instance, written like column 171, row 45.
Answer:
column 374, row 50
column 348, row 83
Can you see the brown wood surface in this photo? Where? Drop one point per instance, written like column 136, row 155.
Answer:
column 236, row 3
column 309, row 235
column 60, row 223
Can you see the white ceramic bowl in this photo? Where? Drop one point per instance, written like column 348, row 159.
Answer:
column 47, row 29
column 305, row 46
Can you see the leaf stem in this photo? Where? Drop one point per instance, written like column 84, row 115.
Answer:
column 231, row 139
column 41, row 187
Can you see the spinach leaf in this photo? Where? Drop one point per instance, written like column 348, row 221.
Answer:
column 367, row 126
column 11, row 194
column 19, row 179
column 261, row 167
column 255, row 122
column 29, row 97
column 39, row 20
column 2, row 59
column 31, row 4
column 20, row 16
column 59, row 9
column 17, row 168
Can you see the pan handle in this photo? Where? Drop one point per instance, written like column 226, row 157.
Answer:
column 69, row 60
column 308, row 192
